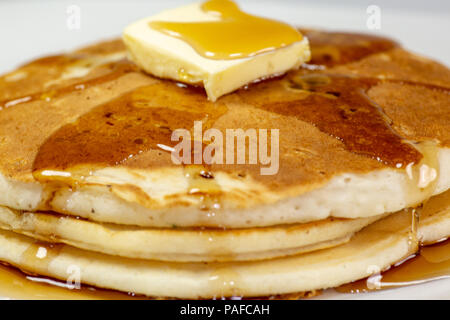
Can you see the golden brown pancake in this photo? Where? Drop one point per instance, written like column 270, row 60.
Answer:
column 345, row 121
column 364, row 132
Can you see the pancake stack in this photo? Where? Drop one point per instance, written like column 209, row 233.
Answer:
column 87, row 181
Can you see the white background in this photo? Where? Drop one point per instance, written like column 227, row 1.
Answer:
column 29, row 29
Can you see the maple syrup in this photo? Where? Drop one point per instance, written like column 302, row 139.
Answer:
column 201, row 182
column 39, row 256
column 338, row 105
column 15, row 284
column 145, row 119
column 234, row 35
column 431, row 263
column 114, row 71
column 224, row 281
column 423, row 176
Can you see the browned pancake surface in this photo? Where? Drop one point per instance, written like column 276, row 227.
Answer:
column 349, row 110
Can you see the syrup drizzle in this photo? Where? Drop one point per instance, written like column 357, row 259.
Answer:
column 224, row 39
column 224, row 283
column 145, row 120
column 431, row 263
column 202, row 183
column 338, row 105
column 40, row 255
column 16, row 284
column 116, row 70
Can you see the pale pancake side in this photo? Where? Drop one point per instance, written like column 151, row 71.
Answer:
column 376, row 247
column 184, row 245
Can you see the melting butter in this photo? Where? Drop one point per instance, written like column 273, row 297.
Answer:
column 234, row 35
column 215, row 45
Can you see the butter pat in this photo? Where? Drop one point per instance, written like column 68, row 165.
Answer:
column 170, row 57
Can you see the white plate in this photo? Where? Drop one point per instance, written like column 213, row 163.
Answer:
column 31, row 29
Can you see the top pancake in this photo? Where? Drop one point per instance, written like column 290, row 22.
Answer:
column 350, row 123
